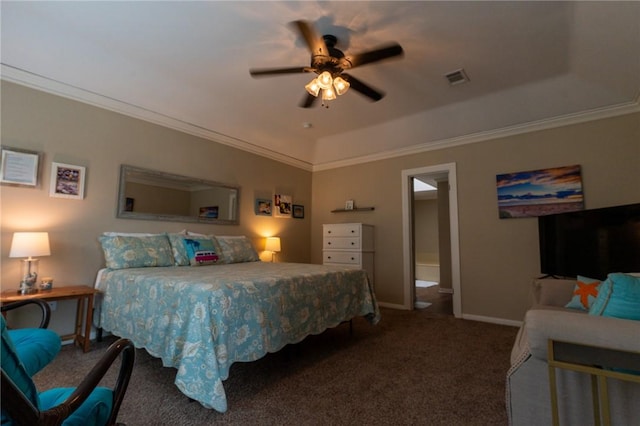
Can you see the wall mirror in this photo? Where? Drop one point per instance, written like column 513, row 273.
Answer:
column 153, row 195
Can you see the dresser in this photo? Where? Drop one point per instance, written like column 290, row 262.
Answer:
column 348, row 244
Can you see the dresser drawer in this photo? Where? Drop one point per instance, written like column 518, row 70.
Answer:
column 341, row 257
column 341, row 243
column 342, row 230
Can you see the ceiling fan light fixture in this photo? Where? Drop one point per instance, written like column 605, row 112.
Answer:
column 313, row 88
column 328, row 94
column 325, row 80
column 341, row 85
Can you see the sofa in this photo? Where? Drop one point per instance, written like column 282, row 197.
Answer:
column 527, row 388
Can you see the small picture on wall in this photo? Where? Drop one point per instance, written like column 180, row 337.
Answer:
column 540, row 192
column 263, row 207
column 128, row 204
column 298, row 211
column 19, row 167
column 282, row 205
column 67, row 181
column 209, row 212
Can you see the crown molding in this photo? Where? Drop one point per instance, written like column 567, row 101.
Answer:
column 34, row 81
column 44, row 84
column 560, row 121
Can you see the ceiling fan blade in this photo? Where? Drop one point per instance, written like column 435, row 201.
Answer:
column 352, row 61
column 308, row 101
column 363, row 88
column 261, row 72
column 316, row 44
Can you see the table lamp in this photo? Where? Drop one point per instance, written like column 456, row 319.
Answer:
column 29, row 245
column 272, row 245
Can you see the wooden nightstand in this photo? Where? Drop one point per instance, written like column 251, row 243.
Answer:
column 80, row 293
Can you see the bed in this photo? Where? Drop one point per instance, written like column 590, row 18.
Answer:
column 200, row 320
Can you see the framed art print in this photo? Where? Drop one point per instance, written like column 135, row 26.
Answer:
column 263, row 207
column 282, row 205
column 19, row 167
column 67, row 181
column 298, row 211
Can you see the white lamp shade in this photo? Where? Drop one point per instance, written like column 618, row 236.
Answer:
column 30, row 244
column 341, row 85
column 313, row 87
column 325, row 80
column 328, row 94
column 272, row 244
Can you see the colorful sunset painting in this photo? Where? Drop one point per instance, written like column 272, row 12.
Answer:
column 540, row 192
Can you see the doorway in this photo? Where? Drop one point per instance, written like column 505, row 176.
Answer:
column 445, row 177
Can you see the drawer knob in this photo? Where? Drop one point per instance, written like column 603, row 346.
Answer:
column 352, row 231
column 353, row 258
column 352, row 243
column 328, row 232
column 329, row 243
column 328, row 257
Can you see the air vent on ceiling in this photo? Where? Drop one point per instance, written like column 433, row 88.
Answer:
column 457, row 77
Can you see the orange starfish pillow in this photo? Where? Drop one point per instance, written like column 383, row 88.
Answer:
column 584, row 293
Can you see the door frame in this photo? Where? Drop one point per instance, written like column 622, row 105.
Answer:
column 407, row 233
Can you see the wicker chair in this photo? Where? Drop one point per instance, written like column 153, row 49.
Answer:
column 87, row 404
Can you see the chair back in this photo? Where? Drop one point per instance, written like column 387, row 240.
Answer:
column 14, row 370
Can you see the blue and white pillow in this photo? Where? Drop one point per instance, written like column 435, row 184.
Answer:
column 619, row 297
column 200, row 250
column 237, row 249
column 122, row 252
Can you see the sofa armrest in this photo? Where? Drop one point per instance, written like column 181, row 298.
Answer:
column 553, row 292
column 575, row 327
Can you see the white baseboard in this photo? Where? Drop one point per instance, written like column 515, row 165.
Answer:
column 492, row 320
column 392, row 306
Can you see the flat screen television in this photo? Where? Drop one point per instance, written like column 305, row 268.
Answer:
column 591, row 243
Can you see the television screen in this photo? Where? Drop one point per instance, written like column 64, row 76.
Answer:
column 591, row 243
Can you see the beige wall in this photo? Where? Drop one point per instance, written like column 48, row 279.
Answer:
column 499, row 258
column 426, row 227
column 71, row 132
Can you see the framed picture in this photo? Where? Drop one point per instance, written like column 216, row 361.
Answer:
column 263, row 207
column 282, row 205
column 298, row 211
column 128, row 204
column 348, row 205
column 540, row 192
column 19, row 167
column 209, row 212
column 67, row 181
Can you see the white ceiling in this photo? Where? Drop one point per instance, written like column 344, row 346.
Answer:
column 186, row 65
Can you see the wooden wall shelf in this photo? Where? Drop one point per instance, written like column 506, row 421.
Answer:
column 357, row 209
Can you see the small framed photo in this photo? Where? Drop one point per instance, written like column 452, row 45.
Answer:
column 348, row 205
column 67, row 181
column 282, row 205
column 19, row 167
column 210, row 212
column 263, row 207
column 298, row 211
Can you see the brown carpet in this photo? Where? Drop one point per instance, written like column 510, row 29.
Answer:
column 414, row 367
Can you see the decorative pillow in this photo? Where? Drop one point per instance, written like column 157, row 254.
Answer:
column 237, row 249
column 584, row 293
column 619, row 297
column 122, row 252
column 200, row 250
column 180, row 256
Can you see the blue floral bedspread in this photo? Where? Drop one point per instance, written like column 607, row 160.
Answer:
column 202, row 319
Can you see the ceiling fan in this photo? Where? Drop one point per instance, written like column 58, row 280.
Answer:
column 329, row 63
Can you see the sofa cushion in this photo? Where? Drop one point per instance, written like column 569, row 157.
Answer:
column 619, row 297
column 584, row 293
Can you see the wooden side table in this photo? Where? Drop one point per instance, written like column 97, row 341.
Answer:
column 79, row 293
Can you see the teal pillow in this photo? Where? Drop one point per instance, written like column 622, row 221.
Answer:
column 237, row 249
column 200, row 250
column 584, row 293
column 619, row 297
column 122, row 252
column 14, row 368
column 180, row 256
